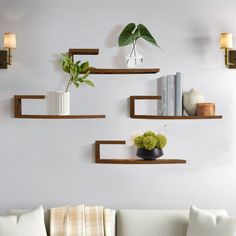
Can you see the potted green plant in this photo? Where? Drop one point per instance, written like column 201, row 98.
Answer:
column 150, row 145
column 78, row 74
column 129, row 35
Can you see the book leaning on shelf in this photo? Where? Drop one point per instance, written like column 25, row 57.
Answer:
column 170, row 90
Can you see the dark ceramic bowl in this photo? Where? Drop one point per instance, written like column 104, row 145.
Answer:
column 149, row 154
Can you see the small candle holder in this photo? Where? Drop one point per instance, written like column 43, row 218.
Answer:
column 206, row 109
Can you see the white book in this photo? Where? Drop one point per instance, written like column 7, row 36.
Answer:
column 162, row 91
column 171, row 95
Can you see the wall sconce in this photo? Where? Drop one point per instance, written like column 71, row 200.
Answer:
column 226, row 42
column 9, row 43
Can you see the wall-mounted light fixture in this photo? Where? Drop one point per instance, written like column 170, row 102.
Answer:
column 226, row 42
column 9, row 43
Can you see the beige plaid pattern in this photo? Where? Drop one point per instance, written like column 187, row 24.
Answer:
column 80, row 221
column 94, row 221
column 107, row 222
column 67, row 221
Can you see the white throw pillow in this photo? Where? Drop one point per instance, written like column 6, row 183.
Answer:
column 202, row 223
column 27, row 224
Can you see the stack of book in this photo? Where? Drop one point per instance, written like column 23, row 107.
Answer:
column 170, row 90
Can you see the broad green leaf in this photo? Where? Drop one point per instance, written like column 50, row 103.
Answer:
column 81, row 80
column 76, row 79
column 89, row 83
column 145, row 34
column 84, row 66
column 77, row 63
column 136, row 34
column 70, row 59
column 78, row 69
column 65, row 67
column 76, row 84
column 126, row 36
column 73, row 69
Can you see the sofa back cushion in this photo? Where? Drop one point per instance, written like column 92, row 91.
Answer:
column 154, row 222
column 30, row 223
column 20, row 211
column 205, row 224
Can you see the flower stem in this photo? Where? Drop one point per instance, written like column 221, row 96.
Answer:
column 135, row 53
column 132, row 51
column 68, row 83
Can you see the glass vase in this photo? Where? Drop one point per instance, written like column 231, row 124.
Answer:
column 134, row 58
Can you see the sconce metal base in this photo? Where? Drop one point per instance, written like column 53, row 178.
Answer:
column 3, row 59
column 232, row 59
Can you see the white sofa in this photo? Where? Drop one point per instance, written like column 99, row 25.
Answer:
column 144, row 222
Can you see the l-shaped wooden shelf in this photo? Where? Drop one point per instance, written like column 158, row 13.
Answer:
column 100, row 160
column 134, row 116
column 18, row 110
column 102, row 71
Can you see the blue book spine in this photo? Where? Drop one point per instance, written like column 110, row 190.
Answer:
column 162, row 91
column 171, row 95
column 178, row 95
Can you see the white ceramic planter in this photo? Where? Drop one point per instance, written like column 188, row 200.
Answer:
column 190, row 100
column 58, row 103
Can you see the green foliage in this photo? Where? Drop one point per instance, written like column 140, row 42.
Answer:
column 78, row 72
column 161, row 141
column 127, row 35
column 131, row 33
column 149, row 133
column 138, row 141
column 150, row 140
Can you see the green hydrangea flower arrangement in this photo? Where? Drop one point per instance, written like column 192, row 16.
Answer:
column 150, row 140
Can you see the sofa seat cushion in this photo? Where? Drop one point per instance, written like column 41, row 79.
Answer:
column 154, row 222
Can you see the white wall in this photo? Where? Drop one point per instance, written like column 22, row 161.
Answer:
column 51, row 162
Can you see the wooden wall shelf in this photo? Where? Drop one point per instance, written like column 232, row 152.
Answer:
column 102, row 71
column 18, row 110
column 177, row 117
column 135, row 116
column 124, row 71
column 139, row 161
column 100, row 160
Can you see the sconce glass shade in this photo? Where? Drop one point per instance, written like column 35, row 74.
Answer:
column 9, row 40
column 226, row 41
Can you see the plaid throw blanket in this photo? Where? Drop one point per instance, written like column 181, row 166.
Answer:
column 80, row 221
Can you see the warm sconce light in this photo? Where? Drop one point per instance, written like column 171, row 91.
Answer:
column 226, row 42
column 9, row 43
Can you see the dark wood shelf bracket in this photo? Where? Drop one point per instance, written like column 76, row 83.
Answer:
column 102, row 71
column 18, row 110
column 99, row 159
column 136, row 116
column 134, row 98
column 83, row 51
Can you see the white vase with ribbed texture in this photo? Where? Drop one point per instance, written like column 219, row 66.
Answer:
column 62, row 103
column 59, row 103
